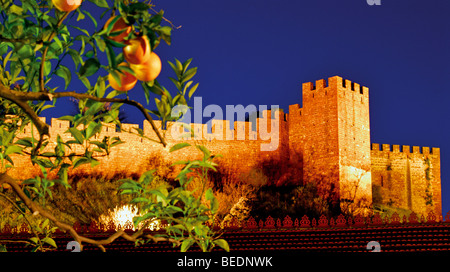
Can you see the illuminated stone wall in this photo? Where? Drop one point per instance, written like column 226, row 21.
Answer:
column 327, row 138
column 133, row 156
column 405, row 179
column 335, row 137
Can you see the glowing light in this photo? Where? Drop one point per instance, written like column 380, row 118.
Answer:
column 123, row 215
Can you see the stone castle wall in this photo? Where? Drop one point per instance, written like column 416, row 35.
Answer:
column 241, row 153
column 405, row 179
column 329, row 136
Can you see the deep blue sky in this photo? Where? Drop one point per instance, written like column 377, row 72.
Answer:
column 259, row 52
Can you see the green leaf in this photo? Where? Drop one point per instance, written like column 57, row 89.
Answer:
column 189, row 74
column 13, row 149
column 80, row 15
column 49, row 241
column 90, row 16
column 89, row 54
column 65, row 73
column 176, row 82
column 223, row 244
column 113, row 43
column 138, row 219
column 192, row 90
column 77, row 135
column 75, row 56
column 82, row 30
column 111, row 25
column 204, row 150
column 100, row 3
column 157, row 18
column 186, row 86
column 45, row 223
column 165, row 30
column 207, row 164
column 25, row 51
column 25, row 142
column 90, row 67
column 46, row 107
column 199, row 230
column 156, row 89
column 81, row 161
column 100, row 87
column 174, row 68
column 186, row 64
column 116, row 142
column 165, row 33
column 209, row 194
column 160, row 196
column 147, row 177
column 66, row 117
column 186, row 244
column 146, row 91
column 43, row 162
column 34, row 240
column 125, row 69
column 179, row 162
column 214, row 204
column 173, row 209
column 16, row 10
column 100, row 43
column 140, row 200
column 130, row 185
column 178, row 146
column 62, row 174
column 137, row 7
column 92, row 129
column 179, row 66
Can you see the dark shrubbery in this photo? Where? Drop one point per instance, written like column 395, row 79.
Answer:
column 271, row 188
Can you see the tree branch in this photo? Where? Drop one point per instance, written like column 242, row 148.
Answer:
column 115, row 100
column 24, row 216
column 176, row 27
column 21, row 98
column 37, row 209
column 20, row 101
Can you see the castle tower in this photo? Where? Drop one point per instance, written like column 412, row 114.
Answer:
column 330, row 138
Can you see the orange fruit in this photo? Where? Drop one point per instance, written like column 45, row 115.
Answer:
column 67, row 5
column 137, row 51
column 118, row 26
column 127, row 80
column 148, row 70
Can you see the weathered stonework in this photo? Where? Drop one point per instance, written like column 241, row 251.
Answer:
column 405, row 179
column 329, row 137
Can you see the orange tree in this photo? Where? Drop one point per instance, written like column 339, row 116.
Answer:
column 45, row 40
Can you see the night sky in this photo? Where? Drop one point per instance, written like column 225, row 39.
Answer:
column 259, row 52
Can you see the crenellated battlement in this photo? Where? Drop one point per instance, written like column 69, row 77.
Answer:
column 405, row 149
column 337, row 82
column 219, row 129
column 222, row 130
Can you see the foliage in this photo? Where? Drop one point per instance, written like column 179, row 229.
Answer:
column 185, row 214
column 40, row 47
column 90, row 196
column 41, row 228
column 240, row 211
column 295, row 201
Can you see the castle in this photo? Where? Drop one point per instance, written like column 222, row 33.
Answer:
column 328, row 137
